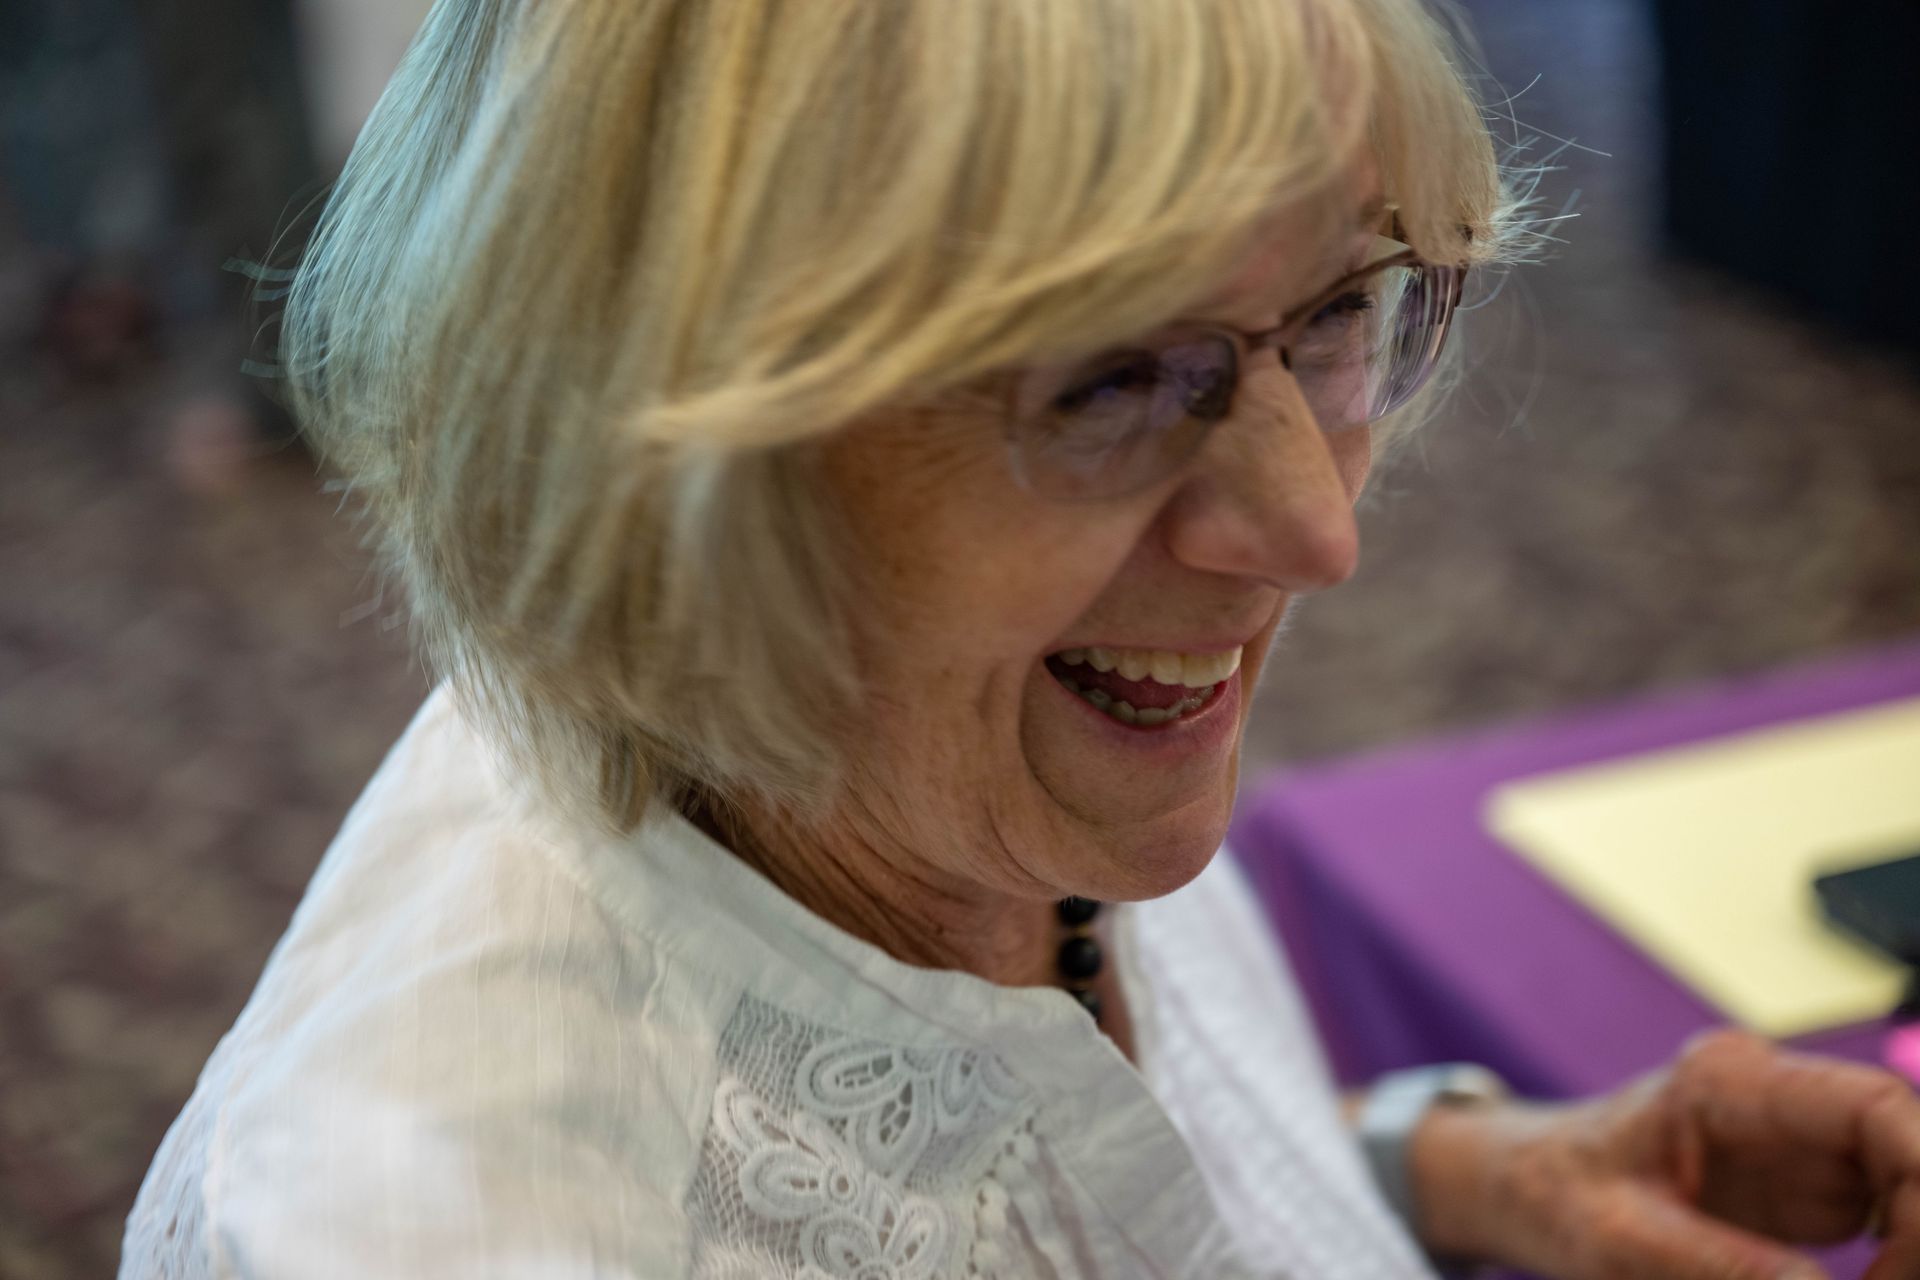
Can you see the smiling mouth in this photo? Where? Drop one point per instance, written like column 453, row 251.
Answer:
column 1145, row 688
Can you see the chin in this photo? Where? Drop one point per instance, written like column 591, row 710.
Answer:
column 1155, row 858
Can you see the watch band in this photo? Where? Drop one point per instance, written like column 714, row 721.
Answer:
column 1392, row 1110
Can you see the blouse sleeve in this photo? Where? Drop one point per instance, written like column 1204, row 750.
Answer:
column 353, row 1188
column 514, row 1113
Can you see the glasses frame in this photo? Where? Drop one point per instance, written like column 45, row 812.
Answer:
column 1280, row 337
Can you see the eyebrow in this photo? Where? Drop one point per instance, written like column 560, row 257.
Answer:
column 1366, row 218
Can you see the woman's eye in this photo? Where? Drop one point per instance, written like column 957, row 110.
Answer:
column 1348, row 304
column 1135, row 374
column 1336, row 335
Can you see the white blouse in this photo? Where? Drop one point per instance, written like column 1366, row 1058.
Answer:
column 492, row 1045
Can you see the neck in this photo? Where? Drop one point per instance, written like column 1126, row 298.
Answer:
column 880, row 892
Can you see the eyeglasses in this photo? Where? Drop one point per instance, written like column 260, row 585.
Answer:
column 1359, row 350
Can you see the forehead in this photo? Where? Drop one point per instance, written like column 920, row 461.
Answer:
column 1303, row 246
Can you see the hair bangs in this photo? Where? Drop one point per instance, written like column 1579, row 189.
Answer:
column 1053, row 177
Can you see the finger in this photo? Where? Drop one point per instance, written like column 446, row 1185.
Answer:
column 1899, row 1260
column 1747, row 1090
column 1898, row 1227
column 1896, row 1214
column 1809, row 1220
column 1722, row 1078
column 1798, row 1201
column 1844, row 1106
column 1889, row 1129
column 1660, row 1239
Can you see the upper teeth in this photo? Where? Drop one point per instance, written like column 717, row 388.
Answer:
column 1163, row 666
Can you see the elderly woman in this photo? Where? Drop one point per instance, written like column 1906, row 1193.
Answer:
column 849, row 460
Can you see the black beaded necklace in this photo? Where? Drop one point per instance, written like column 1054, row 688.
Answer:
column 1080, row 956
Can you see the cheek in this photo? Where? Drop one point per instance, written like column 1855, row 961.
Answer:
column 962, row 578
column 985, row 599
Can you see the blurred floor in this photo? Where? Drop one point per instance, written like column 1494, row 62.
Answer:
column 1649, row 479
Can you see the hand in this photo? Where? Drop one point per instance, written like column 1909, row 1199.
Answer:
column 1706, row 1170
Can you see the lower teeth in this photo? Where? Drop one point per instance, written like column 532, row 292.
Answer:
column 1125, row 712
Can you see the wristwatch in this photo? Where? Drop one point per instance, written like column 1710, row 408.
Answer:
column 1394, row 1107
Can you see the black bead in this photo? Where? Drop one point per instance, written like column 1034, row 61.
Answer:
column 1079, row 959
column 1090, row 1001
column 1077, row 911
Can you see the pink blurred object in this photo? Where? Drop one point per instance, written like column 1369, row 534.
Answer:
column 1901, row 1051
column 212, row 442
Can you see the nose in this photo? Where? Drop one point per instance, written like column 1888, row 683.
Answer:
column 1270, row 496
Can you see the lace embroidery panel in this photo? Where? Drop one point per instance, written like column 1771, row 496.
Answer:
column 833, row 1157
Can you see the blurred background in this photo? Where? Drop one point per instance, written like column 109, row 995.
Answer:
column 1689, row 447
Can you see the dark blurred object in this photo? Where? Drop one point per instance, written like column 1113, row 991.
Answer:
column 143, row 144
column 234, row 122
column 80, row 159
column 1790, row 132
column 1878, row 904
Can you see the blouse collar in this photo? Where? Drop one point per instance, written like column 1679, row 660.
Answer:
column 694, row 897
column 697, row 902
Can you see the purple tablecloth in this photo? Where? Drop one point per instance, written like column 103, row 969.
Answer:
column 1420, row 938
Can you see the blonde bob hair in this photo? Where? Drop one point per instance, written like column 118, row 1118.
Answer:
column 596, row 271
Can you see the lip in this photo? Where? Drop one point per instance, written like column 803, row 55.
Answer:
column 1211, row 644
column 1197, row 733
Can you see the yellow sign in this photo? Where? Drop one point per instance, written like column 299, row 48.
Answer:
column 1705, row 855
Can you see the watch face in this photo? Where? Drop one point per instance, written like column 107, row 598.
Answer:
column 1470, row 1082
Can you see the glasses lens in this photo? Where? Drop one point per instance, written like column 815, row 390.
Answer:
column 1136, row 416
column 1129, row 420
column 1368, row 351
